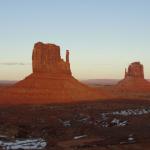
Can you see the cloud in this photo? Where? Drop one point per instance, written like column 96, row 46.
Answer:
column 14, row 63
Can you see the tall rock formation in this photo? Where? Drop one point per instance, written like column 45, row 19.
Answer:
column 46, row 59
column 135, row 70
column 51, row 81
column 134, row 79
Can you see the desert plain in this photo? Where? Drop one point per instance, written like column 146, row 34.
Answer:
column 51, row 110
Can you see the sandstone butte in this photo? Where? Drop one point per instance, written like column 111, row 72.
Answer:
column 50, row 82
column 134, row 80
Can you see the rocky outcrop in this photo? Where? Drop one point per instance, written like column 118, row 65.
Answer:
column 51, row 81
column 46, row 59
column 134, row 80
column 135, row 70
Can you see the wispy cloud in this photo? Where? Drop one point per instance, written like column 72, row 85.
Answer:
column 14, row 63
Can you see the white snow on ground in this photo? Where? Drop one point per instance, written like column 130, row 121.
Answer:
column 119, row 123
column 113, row 123
column 79, row 137
column 129, row 140
column 106, row 119
column 129, row 112
column 66, row 123
column 23, row 144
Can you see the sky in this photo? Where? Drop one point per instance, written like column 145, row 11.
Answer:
column 103, row 36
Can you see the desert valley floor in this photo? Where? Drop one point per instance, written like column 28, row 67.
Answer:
column 101, row 125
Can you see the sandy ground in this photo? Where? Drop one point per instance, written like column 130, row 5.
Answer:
column 115, row 125
column 101, row 125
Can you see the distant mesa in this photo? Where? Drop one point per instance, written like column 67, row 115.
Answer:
column 51, row 81
column 135, row 70
column 134, row 79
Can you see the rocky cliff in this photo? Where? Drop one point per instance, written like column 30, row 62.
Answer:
column 135, row 70
column 46, row 59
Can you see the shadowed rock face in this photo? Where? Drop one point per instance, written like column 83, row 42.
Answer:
column 51, row 81
column 135, row 70
column 46, row 59
column 134, row 79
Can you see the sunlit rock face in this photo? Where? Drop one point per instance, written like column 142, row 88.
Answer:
column 51, row 81
column 134, row 80
column 135, row 70
column 46, row 59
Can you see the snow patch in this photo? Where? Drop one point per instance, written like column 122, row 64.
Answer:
column 79, row 137
column 23, row 144
column 129, row 112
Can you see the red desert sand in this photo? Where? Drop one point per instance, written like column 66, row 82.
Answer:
column 51, row 81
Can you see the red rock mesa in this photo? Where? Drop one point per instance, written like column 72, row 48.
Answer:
column 134, row 79
column 135, row 70
column 51, row 81
column 46, row 59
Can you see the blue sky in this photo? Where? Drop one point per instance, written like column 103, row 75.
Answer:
column 104, row 36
